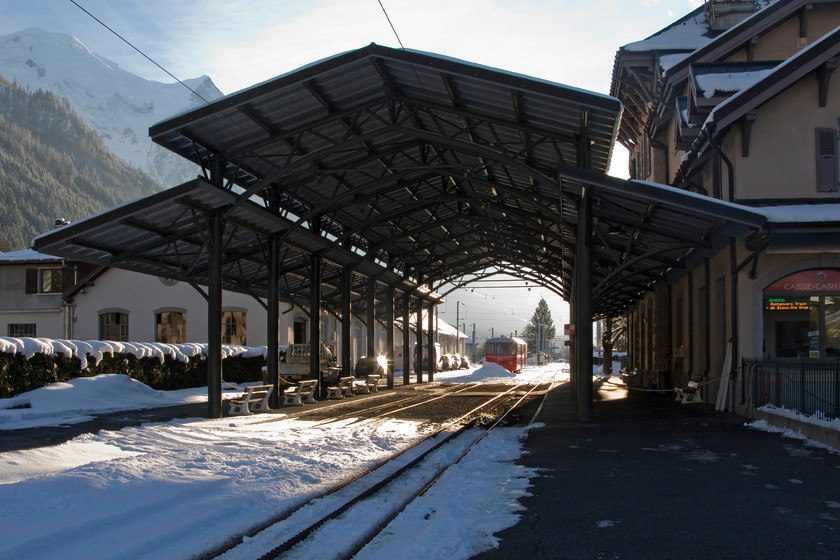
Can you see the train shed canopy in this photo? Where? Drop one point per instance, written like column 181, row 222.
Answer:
column 411, row 168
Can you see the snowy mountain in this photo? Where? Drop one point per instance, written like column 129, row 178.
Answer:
column 53, row 166
column 119, row 105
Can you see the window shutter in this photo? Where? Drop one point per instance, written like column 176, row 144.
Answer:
column 31, row 280
column 826, row 160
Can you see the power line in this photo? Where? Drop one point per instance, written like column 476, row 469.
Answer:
column 147, row 57
column 391, row 24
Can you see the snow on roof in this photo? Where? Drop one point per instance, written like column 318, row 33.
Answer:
column 788, row 65
column 699, row 196
column 801, row 213
column 443, row 327
column 761, row 11
column 727, row 82
column 668, row 61
column 687, row 34
column 793, row 213
column 25, row 256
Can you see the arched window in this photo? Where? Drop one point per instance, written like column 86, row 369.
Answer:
column 234, row 329
column 171, row 326
column 113, row 325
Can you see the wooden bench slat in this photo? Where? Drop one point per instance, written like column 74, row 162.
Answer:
column 256, row 396
column 304, row 392
column 343, row 389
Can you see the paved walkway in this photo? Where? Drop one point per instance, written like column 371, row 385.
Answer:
column 653, row 479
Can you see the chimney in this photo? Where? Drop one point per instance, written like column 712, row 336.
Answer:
column 725, row 14
column 60, row 222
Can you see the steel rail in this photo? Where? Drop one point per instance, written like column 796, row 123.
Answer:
column 382, row 525
column 421, row 398
column 289, row 543
column 236, row 540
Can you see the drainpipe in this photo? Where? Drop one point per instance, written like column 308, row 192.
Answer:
column 708, row 279
column 734, row 303
column 68, row 300
column 710, row 136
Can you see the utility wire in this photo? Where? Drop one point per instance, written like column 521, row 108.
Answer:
column 391, row 24
column 147, row 57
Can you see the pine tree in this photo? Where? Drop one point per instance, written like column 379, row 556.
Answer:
column 52, row 165
column 540, row 331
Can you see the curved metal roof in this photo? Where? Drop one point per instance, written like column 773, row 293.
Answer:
column 413, row 168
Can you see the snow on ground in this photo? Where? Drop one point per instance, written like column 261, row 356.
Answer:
column 173, row 489
column 79, row 399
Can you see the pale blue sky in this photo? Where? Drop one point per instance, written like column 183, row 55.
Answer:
column 239, row 43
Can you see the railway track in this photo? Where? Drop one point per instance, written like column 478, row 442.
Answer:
column 400, row 478
column 352, row 409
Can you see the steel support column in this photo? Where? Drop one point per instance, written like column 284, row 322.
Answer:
column 573, row 362
column 389, row 334
column 214, row 317
column 418, row 364
column 371, row 324
column 346, row 323
column 583, row 299
column 315, row 324
column 273, row 321
column 433, row 357
column 406, row 339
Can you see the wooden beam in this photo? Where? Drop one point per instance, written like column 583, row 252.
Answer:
column 746, row 132
column 824, row 78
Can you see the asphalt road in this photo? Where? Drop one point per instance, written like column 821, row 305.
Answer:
column 650, row 478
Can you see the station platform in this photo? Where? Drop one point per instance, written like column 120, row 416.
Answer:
column 650, row 478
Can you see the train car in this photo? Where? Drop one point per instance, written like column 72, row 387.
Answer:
column 507, row 351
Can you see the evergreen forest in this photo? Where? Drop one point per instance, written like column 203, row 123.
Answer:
column 53, row 166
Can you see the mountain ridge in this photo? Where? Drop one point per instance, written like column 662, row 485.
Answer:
column 115, row 103
column 53, row 166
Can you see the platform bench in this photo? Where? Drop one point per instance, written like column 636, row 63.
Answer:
column 255, row 396
column 343, row 389
column 303, row 392
column 690, row 393
column 369, row 385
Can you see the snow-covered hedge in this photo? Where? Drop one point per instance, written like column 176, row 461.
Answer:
column 30, row 363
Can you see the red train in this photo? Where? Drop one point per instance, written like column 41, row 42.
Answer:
column 507, row 351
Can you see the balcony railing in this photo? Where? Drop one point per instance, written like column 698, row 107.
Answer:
column 809, row 386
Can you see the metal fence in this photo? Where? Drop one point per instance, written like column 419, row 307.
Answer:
column 808, row 386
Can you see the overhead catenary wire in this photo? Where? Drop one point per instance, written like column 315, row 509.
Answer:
column 147, row 57
column 384, row 11
column 483, row 204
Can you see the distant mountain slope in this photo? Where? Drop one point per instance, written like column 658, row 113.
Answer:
column 119, row 105
column 53, row 166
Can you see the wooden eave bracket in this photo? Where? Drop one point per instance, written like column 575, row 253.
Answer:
column 803, row 19
column 823, row 78
column 746, row 132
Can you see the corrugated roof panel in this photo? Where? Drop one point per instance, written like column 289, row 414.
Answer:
column 442, row 167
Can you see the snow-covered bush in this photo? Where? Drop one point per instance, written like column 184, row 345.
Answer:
column 30, row 363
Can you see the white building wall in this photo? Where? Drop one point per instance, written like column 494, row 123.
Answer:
column 46, row 311
column 141, row 295
column 49, row 322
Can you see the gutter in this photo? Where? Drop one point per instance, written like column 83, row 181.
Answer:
column 693, row 154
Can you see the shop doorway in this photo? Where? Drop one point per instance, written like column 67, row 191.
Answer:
column 802, row 315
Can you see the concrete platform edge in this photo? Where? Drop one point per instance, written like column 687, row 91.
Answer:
column 821, row 434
